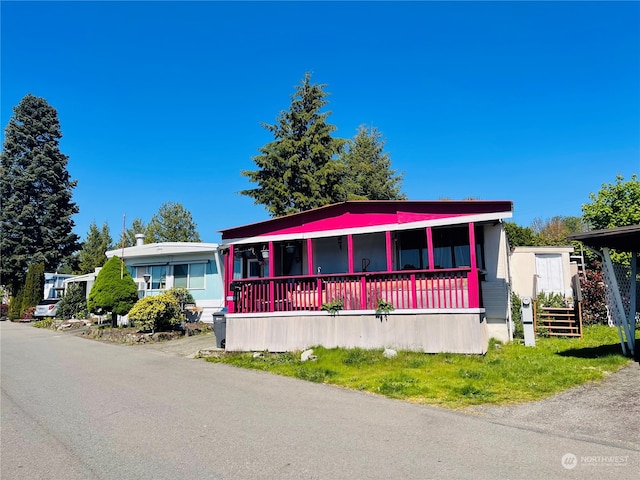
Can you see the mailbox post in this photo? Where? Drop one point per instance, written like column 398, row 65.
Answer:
column 526, row 313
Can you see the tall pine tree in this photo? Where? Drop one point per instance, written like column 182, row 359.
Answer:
column 297, row 171
column 368, row 174
column 36, row 222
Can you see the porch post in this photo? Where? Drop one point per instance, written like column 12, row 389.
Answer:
column 389, row 251
column 472, row 281
column 230, row 304
column 272, row 293
column 310, row 257
column 350, row 252
column 430, row 248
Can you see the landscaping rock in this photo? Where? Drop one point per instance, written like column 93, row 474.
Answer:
column 389, row 353
column 258, row 354
column 308, row 355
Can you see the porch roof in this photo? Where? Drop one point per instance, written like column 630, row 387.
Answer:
column 625, row 239
column 366, row 215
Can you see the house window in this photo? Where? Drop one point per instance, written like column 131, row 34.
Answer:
column 157, row 276
column 189, row 275
column 412, row 250
column 451, row 247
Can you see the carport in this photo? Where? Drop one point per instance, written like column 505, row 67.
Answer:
column 621, row 281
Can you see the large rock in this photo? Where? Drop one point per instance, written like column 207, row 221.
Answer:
column 389, row 353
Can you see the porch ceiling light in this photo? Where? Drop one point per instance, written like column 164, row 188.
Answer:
column 290, row 248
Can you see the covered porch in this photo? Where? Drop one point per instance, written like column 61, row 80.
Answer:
column 422, row 278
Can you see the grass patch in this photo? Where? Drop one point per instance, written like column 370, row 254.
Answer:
column 507, row 374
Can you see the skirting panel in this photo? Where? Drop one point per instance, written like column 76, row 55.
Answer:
column 429, row 333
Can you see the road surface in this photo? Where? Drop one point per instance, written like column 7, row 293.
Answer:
column 73, row 408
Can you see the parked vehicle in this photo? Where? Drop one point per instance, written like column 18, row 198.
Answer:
column 47, row 308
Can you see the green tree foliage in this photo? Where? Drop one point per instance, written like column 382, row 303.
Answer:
column 73, row 303
column 368, row 174
column 33, row 290
column 93, row 250
column 113, row 291
column 554, row 231
column 172, row 223
column 15, row 305
column 520, row 236
column 594, row 299
column 156, row 313
column 36, row 193
column 615, row 205
column 137, row 226
column 297, row 171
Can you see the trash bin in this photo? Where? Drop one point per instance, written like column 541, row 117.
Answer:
column 220, row 328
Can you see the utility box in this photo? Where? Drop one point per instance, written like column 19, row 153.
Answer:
column 220, row 328
column 526, row 314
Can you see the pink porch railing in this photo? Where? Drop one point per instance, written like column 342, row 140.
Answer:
column 443, row 289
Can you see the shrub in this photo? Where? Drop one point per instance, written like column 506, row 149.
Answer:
column 594, row 301
column 33, row 290
column 550, row 300
column 28, row 312
column 113, row 291
column 156, row 313
column 516, row 315
column 15, row 306
column 73, row 303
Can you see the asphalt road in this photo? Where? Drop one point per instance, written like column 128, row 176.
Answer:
column 73, row 408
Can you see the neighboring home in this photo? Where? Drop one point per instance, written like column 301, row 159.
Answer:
column 442, row 265
column 157, row 267
column 85, row 281
column 535, row 270
column 53, row 285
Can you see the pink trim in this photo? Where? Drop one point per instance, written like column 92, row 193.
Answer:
column 358, row 214
column 310, row 257
column 387, row 235
column 474, row 290
column 430, row 248
column 350, row 252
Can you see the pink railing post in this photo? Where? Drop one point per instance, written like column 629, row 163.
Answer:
column 414, row 291
column 363, row 293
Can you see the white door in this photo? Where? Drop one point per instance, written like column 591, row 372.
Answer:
column 549, row 274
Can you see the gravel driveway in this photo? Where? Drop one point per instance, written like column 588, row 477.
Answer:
column 607, row 411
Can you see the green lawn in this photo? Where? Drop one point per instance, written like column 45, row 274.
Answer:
column 507, row 374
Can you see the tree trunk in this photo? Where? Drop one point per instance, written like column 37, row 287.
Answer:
column 114, row 320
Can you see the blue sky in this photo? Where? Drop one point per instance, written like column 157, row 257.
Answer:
column 538, row 103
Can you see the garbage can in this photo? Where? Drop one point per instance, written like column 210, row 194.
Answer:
column 220, row 328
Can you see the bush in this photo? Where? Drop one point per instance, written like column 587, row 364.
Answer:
column 594, row 301
column 73, row 303
column 28, row 313
column 156, row 313
column 15, row 306
column 516, row 316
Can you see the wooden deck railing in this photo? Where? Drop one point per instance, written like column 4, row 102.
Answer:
column 404, row 290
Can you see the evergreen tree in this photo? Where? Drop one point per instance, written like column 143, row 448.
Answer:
column 137, row 226
column 172, row 223
column 36, row 193
column 33, row 286
column 368, row 174
column 297, row 171
column 113, row 291
column 93, row 250
column 73, row 303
